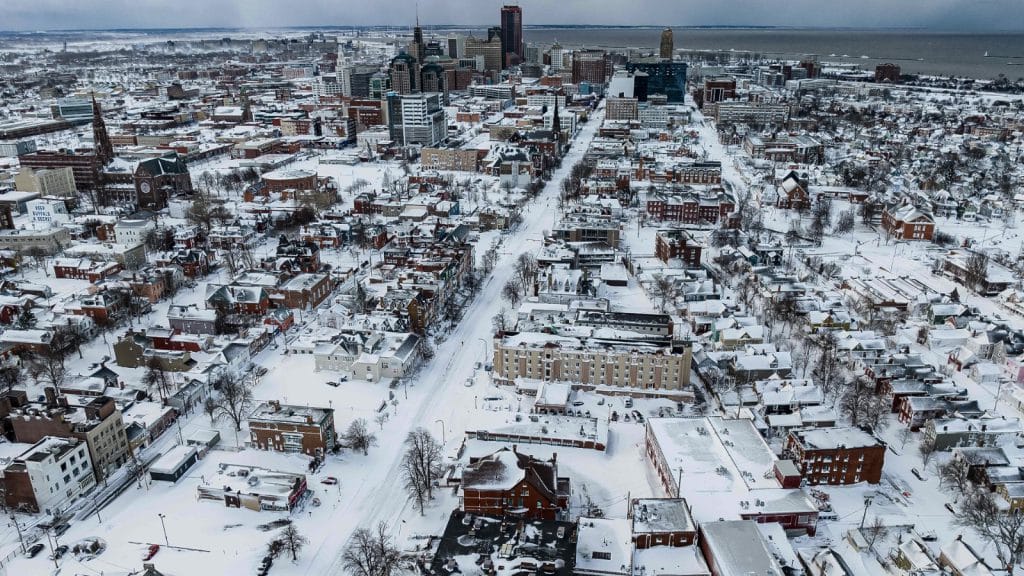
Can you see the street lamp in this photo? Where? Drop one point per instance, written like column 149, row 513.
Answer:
column 441, row 422
column 167, row 542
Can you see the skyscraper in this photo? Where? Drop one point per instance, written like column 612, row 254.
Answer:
column 511, row 35
column 666, row 43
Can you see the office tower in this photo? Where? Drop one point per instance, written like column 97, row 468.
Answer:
column 589, row 66
column 404, row 72
column 511, row 35
column 667, row 44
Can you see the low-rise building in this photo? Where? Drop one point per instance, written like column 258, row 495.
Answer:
column 286, row 428
column 48, row 476
column 598, row 363
column 254, row 488
column 837, row 455
column 509, row 483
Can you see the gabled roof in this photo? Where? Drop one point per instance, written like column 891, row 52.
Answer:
column 167, row 164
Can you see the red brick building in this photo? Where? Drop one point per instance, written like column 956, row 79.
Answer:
column 509, row 483
column 837, row 455
column 662, row 522
column 84, row 269
column 691, row 208
column 285, row 428
column 907, row 223
column 671, row 244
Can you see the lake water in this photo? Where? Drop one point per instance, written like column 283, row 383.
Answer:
column 915, row 51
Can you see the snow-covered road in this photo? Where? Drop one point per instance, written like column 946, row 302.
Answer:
column 439, row 398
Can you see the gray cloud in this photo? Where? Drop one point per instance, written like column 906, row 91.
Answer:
column 967, row 15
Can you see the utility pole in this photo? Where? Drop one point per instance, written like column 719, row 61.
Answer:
column 679, row 482
column 17, row 527
column 867, row 504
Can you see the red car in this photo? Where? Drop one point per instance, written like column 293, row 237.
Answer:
column 330, row 481
column 153, row 549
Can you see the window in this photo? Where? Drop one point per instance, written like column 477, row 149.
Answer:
column 601, row 555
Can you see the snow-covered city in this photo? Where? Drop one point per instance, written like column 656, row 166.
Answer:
column 429, row 299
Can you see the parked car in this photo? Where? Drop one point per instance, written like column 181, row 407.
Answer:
column 469, row 382
column 60, row 529
column 34, row 550
column 333, row 383
column 476, row 366
column 488, row 367
column 917, row 473
column 150, row 552
column 329, row 480
column 60, row 551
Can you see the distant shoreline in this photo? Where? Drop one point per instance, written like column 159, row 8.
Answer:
column 484, row 25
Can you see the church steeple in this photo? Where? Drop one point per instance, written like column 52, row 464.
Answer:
column 101, row 140
column 556, row 122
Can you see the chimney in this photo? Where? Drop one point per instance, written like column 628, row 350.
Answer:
column 276, row 405
column 51, row 396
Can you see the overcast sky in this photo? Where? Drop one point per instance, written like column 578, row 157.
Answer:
column 967, row 15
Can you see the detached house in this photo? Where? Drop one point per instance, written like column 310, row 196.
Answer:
column 509, row 483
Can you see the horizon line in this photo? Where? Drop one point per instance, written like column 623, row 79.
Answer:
column 525, row 26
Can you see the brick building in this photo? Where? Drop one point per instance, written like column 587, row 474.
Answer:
column 906, row 222
column 677, row 243
column 509, row 483
column 286, row 428
column 837, row 455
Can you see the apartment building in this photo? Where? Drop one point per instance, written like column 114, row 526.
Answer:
column 585, row 361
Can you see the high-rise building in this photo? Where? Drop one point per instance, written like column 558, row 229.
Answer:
column 489, row 49
column 344, row 74
column 663, row 77
column 533, row 54
column 667, row 44
column 433, row 78
column 556, row 52
column 511, row 35
column 417, row 49
column 589, row 66
column 456, row 44
column 404, row 72
column 416, row 119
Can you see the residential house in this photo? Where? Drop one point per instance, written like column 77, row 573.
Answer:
column 507, row 483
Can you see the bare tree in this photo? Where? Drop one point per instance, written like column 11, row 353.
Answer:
column 526, row 269
column 664, row 290
column 421, row 466
column 47, row 368
column 954, row 476
column 845, row 223
column 926, row 448
column 828, row 371
column 861, row 405
column 234, row 401
column 371, row 553
column 293, row 540
column 512, row 291
column 875, row 531
column 155, row 377
column 210, row 408
column 976, row 273
column 358, row 437
column 1004, row 530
